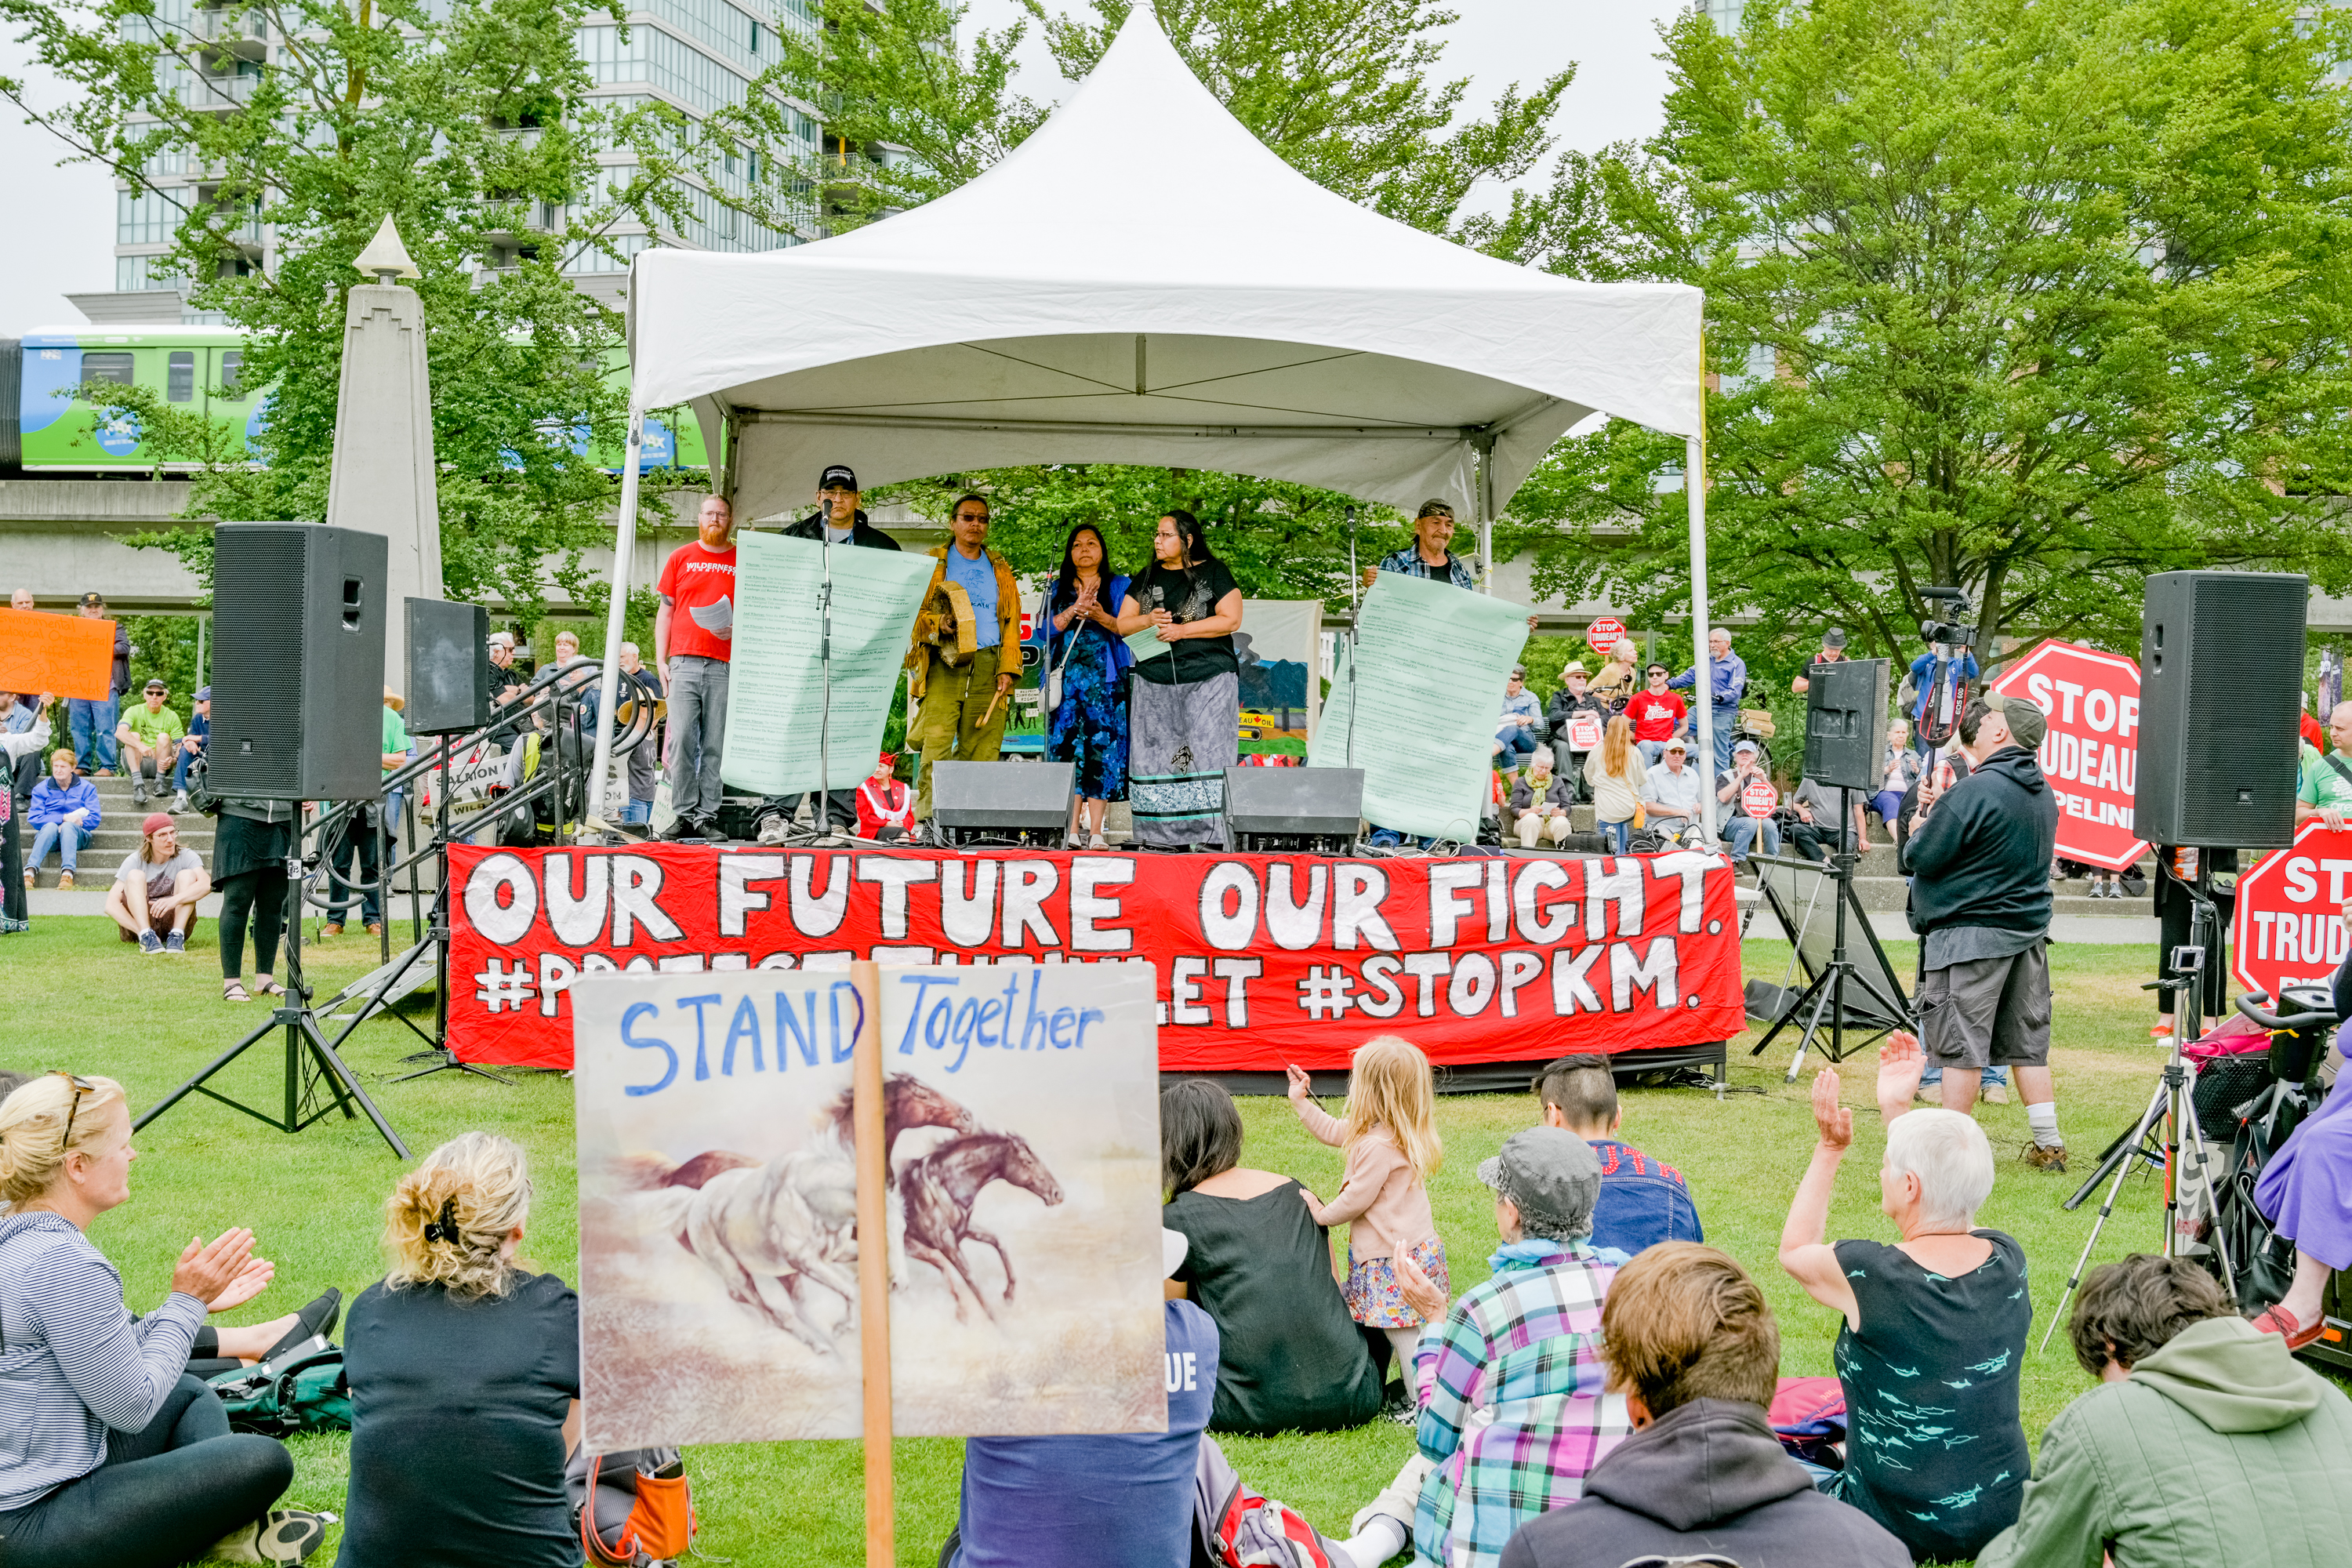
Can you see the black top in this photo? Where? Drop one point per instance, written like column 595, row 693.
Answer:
column 458, row 1409
column 1982, row 856
column 1289, row 1356
column 1704, row 1477
column 1935, row 1450
column 1188, row 596
column 862, row 533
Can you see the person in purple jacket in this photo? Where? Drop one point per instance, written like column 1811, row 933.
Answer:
column 1643, row 1200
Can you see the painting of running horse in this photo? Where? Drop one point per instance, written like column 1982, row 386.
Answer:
column 719, row 1234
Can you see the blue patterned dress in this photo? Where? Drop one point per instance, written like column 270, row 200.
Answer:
column 1090, row 726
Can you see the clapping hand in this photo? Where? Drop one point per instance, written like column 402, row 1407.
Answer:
column 1834, row 1120
column 207, row 1271
column 252, row 1281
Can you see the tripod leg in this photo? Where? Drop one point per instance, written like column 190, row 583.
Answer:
column 1821, row 1005
column 2155, row 1110
column 333, row 1066
column 192, row 1085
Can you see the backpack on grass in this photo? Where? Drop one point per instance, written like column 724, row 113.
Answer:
column 298, row 1390
column 635, row 1507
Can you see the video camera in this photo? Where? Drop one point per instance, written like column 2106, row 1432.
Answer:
column 1955, row 633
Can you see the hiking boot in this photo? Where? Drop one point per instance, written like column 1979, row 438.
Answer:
column 375, row 928
column 332, row 928
column 150, row 943
column 176, row 943
column 139, row 791
column 32, row 879
column 679, row 827
column 2040, row 1158
column 65, row 881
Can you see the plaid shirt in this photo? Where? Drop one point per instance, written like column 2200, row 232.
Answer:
column 1409, row 561
column 1523, row 1349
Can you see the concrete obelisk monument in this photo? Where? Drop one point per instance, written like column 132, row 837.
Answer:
column 381, row 481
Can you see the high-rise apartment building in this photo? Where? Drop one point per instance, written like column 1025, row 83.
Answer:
column 696, row 56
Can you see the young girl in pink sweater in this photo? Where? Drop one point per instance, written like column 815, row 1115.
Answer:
column 1390, row 1136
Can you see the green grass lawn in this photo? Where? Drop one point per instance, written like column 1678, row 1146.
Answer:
column 79, row 999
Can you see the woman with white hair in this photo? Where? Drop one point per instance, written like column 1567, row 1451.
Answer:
column 1935, row 1325
column 464, row 1377
column 114, row 1453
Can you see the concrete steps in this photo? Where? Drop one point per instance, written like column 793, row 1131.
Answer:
column 118, row 836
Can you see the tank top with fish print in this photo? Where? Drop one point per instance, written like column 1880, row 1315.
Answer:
column 1935, row 1451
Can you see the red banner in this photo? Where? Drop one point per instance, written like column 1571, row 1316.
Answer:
column 2092, row 752
column 2288, row 924
column 1262, row 960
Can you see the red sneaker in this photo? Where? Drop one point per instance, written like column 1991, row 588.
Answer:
column 2161, row 1032
column 2278, row 1320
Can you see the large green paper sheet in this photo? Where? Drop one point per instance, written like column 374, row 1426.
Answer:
column 1427, row 697
column 776, row 688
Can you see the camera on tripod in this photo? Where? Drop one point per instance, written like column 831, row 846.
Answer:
column 1957, row 633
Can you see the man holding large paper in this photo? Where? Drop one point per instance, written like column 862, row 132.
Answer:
column 693, row 643
column 966, row 653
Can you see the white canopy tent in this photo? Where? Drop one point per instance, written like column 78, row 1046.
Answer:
column 1143, row 281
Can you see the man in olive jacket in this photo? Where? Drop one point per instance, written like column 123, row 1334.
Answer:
column 2206, row 1443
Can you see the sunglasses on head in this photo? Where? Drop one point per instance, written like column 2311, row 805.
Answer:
column 81, row 1085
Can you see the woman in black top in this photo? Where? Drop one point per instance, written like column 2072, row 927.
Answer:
column 464, row 1377
column 1185, row 702
column 1289, row 1356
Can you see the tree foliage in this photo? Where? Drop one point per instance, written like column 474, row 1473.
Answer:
column 2033, row 297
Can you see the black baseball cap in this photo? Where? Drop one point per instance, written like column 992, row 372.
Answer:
column 837, row 477
column 95, row 601
column 154, row 684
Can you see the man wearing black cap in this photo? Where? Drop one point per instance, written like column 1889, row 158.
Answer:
column 1978, row 854
column 146, row 736
column 837, row 518
column 90, row 722
column 192, row 744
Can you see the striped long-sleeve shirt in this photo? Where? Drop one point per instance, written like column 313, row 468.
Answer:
column 73, row 1360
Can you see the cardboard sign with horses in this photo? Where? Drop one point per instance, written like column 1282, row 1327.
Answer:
column 719, row 1195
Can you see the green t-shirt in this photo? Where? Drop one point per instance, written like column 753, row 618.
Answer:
column 152, row 728
column 395, row 733
column 2316, row 782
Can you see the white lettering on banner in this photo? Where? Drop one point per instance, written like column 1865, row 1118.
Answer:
column 636, row 885
column 1378, row 972
column 1229, row 930
column 1539, row 926
column 1620, row 885
column 501, row 900
column 1691, row 866
column 1449, row 880
column 1237, row 973
column 1357, row 893
column 1027, row 885
column 556, row 974
column 1519, row 969
column 1498, row 900
column 1184, row 977
column 894, row 875
column 576, row 922
column 968, row 921
column 1427, row 968
column 736, row 900
column 1088, row 875
column 1472, row 984
column 821, row 915
column 1295, row 926
column 1656, row 973
column 1571, row 982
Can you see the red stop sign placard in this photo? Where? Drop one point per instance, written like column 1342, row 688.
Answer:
column 1759, row 797
column 2288, row 930
column 1605, row 634
column 2092, row 755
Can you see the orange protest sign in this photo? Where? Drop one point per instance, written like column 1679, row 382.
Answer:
column 70, row 656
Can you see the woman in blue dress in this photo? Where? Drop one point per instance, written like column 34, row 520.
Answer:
column 1089, row 725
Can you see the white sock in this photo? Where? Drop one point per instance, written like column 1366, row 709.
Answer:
column 1403, row 1342
column 1380, row 1539
column 2043, row 1119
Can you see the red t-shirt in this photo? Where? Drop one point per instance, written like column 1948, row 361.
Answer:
column 699, row 583
column 1655, row 714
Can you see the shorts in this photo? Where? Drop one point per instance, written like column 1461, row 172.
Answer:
column 1374, row 1298
column 1988, row 1010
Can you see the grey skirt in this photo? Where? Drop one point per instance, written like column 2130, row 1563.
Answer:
column 1180, row 740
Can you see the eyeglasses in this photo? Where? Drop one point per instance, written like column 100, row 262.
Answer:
column 81, row 1085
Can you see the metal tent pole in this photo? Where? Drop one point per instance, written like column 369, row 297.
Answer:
column 1702, row 661
column 608, row 681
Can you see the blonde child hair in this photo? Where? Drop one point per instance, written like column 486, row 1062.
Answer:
column 33, row 1126
column 448, row 1220
column 1389, row 1084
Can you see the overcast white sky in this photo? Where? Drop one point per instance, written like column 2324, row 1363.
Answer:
column 63, row 218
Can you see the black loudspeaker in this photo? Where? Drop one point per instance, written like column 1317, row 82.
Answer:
column 1025, row 802
column 1289, row 804
column 1845, row 723
column 2220, row 691
column 449, row 668
column 297, row 662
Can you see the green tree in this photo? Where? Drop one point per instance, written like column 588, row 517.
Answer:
column 2031, row 297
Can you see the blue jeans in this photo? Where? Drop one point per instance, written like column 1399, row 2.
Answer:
column 1724, row 720
column 67, row 840
column 1744, row 831
column 1620, row 833
column 638, row 810
column 187, row 760
column 91, row 725
column 1996, row 1074
column 1509, row 748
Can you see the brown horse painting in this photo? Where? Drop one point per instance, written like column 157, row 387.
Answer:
column 907, row 1102
column 938, row 1191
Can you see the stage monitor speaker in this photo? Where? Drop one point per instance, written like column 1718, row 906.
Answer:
column 297, row 662
column 1027, row 802
column 449, row 668
column 2220, row 690
column 1292, row 803
column 1845, row 723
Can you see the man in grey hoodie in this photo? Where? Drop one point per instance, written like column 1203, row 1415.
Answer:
column 1692, row 1346
column 2205, row 1443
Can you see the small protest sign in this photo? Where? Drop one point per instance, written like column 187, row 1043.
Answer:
column 1604, row 633
column 1759, row 798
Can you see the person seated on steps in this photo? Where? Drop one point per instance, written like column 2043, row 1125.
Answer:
column 145, row 738
column 1539, row 803
column 156, row 889
column 65, row 815
column 1643, row 1201
column 1692, row 1346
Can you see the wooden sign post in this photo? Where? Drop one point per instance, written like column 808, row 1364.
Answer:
column 873, row 1262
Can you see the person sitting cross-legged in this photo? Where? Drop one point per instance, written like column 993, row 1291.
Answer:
column 2205, row 1443
column 1935, row 1326
column 156, row 889
column 1692, row 1346
column 1643, row 1201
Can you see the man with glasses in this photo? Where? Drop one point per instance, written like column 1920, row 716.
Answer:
column 1658, row 715
column 145, row 737
column 1726, row 682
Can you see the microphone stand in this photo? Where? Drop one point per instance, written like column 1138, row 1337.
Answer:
column 1355, row 607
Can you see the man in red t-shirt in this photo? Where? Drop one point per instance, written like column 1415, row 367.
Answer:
column 694, row 633
column 1657, row 714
